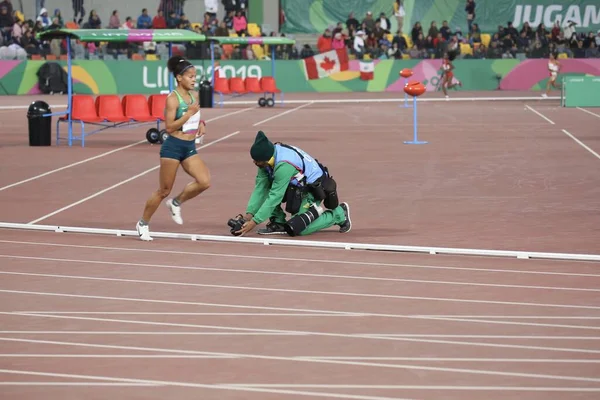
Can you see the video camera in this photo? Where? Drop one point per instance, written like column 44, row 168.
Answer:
column 236, row 224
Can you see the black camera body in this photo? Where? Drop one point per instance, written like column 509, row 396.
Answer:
column 236, row 224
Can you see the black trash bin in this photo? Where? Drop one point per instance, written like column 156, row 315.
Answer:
column 206, row 94
column 40, row 126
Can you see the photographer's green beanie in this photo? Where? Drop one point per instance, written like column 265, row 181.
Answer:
column 262, row 149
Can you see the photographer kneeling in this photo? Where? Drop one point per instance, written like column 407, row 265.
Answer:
column 286, row 174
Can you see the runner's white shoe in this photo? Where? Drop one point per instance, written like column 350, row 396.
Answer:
column 175, row 212
column 144, row 232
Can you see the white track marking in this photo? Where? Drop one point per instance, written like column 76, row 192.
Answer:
column 421, row 387
column 35, row 221
column 461, row 359
column 299, row 314
column 315, row 333
column 127, row 356
column 485, row 321
column 579, row 142
column 33, row 178
column 154, row 333
column 121, row 183
column 541, row 115
column 340, row 362
column 589, row 112
column 310, row 292
column 347, row 358
column 283, row 113
column 262, row 272
column 293, row 259
column 104, row 155
column 86, row 384
column 250, row 333
column 157, row 301
column 200, row 385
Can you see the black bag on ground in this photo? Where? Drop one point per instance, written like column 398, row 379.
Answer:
column 52, row 78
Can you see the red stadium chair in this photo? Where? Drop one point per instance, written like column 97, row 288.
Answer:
column 135, row 107
column 221, row 87
column 237, row 86
column 253, row 85
column 83, row 110
column 157, row 104
column 269, row 86
column 110, row 108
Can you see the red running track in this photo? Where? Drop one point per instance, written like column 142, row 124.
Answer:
column 99, row 317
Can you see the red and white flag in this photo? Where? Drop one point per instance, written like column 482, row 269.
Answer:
column 324, row 64
column 367, row 70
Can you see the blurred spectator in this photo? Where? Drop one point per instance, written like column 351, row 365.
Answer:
column 128, row 23
column 359, row 45
column 416, row 30
column 352, row 23
column 78, row 10
column 159, row 21
column 475, row 35
column 43, row 18
column 240, row 24
column 6, row 23
column 384, row 23
column 400, row 41
column 228, row 19
column 222, row 30
column 399, row 13
column 433, row 30
column 144, row 21
column 211, row 7
column 172, row 21
column 445, row 31
column 324, row 42
column 94, row 21
column 306, row 51
column 338, row 41
column 369, row 21
column 470, row 10
column 114, row 22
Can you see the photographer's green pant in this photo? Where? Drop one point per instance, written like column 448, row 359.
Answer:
column 265, row 200
column 325, row 220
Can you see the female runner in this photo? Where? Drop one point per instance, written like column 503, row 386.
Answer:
column 182, row 120
column 448, row 75
column 553, row 69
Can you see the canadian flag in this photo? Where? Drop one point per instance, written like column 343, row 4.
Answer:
column 325, row 64
column 367, row 70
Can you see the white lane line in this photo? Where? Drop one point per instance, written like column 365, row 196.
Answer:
column 316, row 333
column 589, row 112
column 296, row 259
column 33, row 178
column 341, row 362
column 303, row 291
column 579, row 142
column 334, row 276
column 541, row 115
column 199, row 385
column 282, row 114
column 116, row 185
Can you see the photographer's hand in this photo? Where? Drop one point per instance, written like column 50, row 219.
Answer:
column 247, row 227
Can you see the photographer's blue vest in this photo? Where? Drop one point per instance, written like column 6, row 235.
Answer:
column 312, row 171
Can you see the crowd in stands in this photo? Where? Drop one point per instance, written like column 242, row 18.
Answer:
column 371, row 37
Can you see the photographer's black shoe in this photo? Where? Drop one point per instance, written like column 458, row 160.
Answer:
column 272, row 228
column 347, row 224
